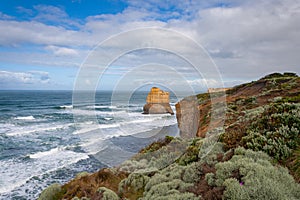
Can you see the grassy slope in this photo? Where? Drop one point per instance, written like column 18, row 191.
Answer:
column 254, row 159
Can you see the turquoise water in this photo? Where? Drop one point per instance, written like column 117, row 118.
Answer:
column 44, row 138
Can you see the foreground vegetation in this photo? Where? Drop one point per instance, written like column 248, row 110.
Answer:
column 257, row 155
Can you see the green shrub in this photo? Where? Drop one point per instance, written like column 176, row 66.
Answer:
column 156, row 160
column 273, row 75
column 275, row 131
column 209, row 151
column 134, row 182
column 248, row 175
column 210, row 179
column 166, row 189
column 192, row 173
column 164, row 159
column 173, row 171
column 82, row 198
column 178, row 196
column 290, row 74
column 155, row 180
column 130, row 166
column 250, row 100
column 295, row 163
column 108, row 194
column 252, row 114
column 81, row 174
column 167, row 154
column 277, row 99
column 233, row 107
column 157, row 145
column 51, row 193
column 254, row 155
column 292, row 99
column 191, row 153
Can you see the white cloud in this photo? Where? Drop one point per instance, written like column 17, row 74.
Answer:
column 40, row 76
column 262, row 35
column 41, row 58
column 17, row 77
column 205, row 83
column 20, row 32
column 62, row 51
column 52, row 14
column 31, row 77
column 245, row 38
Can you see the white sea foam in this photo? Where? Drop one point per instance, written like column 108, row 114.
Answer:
column 24, row 130
column 25, row 118
column 6, row 127
column 86, row 129
column 133, row 125
column 44, row 153
column 66, row 107
column 106, row 126
column 138, row 121
column 94, row 146
column 89, row 122
column 16, row 173
column 78, row 112
column 119, row 120
column 127, row 120
column 99, row 107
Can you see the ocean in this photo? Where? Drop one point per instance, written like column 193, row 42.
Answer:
column 45, row 139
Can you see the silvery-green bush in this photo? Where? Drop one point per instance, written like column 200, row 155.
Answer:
column 173, row 171
column 108, row 194
column 192, row 173
column 258, row 178
column 177, row 196
column 165, row 189
column 276, row 131
column 134, row 182
column 50, row 192
column 130, row 166
column 209, row 151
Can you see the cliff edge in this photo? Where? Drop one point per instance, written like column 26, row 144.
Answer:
column 274, row 87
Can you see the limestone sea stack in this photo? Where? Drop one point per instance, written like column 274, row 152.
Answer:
column 158, row 102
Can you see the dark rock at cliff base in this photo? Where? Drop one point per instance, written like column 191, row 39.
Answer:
column 158, row 102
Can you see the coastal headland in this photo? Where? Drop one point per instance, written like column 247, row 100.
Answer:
column 256, row 155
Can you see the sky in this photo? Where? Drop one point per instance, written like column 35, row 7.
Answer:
column 50, row 44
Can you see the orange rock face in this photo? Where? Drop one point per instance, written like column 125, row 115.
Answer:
column 156, row 95
column 158, row 102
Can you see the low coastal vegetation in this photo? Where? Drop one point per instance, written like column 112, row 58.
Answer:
column 257, row 155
